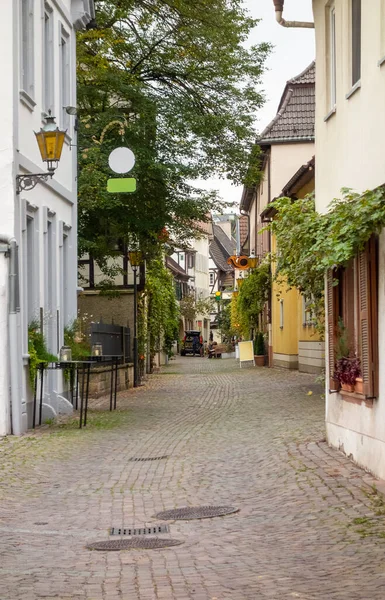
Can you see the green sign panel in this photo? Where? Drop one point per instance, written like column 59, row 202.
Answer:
column 121, row 184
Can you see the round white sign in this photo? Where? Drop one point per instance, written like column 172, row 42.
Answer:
column 121, row 160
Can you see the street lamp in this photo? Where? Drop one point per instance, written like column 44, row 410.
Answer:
column 135, row 259
column 50, row 140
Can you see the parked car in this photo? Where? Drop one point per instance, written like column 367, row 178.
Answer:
column 187, row 344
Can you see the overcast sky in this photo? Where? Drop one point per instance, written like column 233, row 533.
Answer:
column 293, row 51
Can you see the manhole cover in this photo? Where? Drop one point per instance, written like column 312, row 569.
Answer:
column 138, row 542
column 196, row 512
column 143, row 459
column 140, row 530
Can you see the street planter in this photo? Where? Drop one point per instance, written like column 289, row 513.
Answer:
column 259, row 360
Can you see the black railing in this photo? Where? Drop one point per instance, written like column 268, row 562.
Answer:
column 115, row 339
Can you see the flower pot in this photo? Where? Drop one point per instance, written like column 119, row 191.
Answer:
column 259, row 360
column 347, row 387
column 359, row 385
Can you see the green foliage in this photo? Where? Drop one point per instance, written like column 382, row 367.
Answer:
column 162, row 306
column 310, row 243
column 259, row 344
column 37, row 350
column 190, row 307
column 224, row 319
column 173, row 80
column 253, row 295
column 75, row 338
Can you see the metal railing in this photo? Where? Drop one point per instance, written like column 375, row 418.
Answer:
column 115, row 339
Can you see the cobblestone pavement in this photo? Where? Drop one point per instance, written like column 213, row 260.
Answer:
column 310, row 523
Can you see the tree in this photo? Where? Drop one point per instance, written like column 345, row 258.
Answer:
column 172, row 80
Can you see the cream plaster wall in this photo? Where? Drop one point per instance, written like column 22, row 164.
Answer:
column 349, row 153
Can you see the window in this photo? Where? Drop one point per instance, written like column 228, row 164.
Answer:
column 307, row 313
column 356, row 41
column 48, row 57
column 65, row 76
column 212, row 278
column 382, row 33
column 332, row 58
column 281, row 314
column 191, row 260
column 352, row 307
column 27, row 45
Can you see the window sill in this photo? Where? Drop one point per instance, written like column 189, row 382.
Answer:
column 355, row 398
column 330, row 113
column 381, row 61
column 27, row 100
column 355, row 87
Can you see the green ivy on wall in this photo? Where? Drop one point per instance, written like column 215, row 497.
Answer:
column 253, row 295
column 162, row 307
column 310, row 243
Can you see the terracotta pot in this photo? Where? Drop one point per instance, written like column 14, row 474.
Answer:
column 259, row 360
column 347, row 387
column 359, row 386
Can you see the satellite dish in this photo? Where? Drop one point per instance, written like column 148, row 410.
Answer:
column 121, row 160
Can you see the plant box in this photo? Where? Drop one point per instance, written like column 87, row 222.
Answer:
column 359, row 386
column 259, row 360
column 347, row 387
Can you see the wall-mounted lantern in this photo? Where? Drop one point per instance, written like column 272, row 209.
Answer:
column 50, row 140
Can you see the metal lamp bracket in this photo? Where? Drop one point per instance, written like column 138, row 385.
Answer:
column 28, row 182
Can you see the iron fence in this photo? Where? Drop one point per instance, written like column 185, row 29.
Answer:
column 115, row 339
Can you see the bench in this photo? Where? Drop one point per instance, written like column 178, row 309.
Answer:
column 218, row 350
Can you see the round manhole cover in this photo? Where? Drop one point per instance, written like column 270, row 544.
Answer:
column 196, row 512
column 144, row 543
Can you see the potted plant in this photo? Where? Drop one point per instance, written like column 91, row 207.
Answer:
column 259, row 349
column 346, row 372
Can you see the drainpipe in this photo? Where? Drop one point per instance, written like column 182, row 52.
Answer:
column 14, row 310
column 278, row 15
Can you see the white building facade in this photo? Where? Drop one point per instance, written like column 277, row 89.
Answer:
column 350, row 129
column 38, row 227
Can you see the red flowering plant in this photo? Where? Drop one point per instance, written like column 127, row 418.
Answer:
column 347, row 370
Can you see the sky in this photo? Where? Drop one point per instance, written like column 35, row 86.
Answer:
column 293, row 51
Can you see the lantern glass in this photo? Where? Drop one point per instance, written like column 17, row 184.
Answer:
column 135, row 258
column 252, row 261
column 97, row 349
column 50, row 140
column 65, row 354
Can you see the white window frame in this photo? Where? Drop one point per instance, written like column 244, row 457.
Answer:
column 307, row 313
column 332, row 58
column 382, row 34
column 27, row 70
column 65, row 75
column 355, row 80
column 212, row 277
column 48, row 79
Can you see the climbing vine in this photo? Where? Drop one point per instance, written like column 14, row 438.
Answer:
column 310, row 243
column 37, row 350
column 162, row 307
column 253, row 295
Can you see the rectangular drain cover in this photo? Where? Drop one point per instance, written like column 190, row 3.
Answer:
column 140, row 530
column 143, row 459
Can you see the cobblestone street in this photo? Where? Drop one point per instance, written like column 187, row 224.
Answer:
column 310, row 523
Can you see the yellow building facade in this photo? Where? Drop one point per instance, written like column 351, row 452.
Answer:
column 295, row 342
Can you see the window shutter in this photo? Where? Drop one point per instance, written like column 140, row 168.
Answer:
column 331, row 321
column 367, row 310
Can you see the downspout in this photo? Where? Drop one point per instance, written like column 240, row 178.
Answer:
column 14, row 309
column 269, row 300
column 278, row 15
